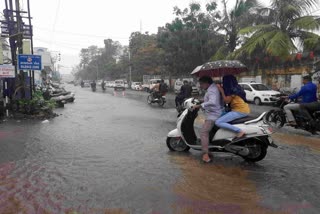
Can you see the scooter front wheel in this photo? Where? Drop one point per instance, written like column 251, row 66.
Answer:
column 176, row 144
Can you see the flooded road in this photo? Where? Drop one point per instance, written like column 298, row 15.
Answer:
column 107, row 154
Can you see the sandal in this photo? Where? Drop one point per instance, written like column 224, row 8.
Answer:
column 206, row 158
column 240, row 136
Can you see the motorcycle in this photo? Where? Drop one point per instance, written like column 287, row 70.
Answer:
column 253, row 147
column 277, row 118
column 155, row 97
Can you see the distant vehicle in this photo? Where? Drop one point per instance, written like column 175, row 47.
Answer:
column 119, row 85
column 111, row 84
column 136, row 86
column 259, row 93
column 99, row 82
column 87, row 84
column 126, row 85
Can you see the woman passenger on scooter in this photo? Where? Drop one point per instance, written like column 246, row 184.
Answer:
column 234, row 95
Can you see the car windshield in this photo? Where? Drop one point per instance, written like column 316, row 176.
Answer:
column 260, row 87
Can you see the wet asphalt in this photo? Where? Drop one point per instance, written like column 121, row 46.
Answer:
column 106, row 153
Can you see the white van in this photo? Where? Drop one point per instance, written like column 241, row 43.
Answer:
column 119, row 85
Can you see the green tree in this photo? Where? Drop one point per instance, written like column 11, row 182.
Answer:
column 146, row 56
column 189, row 40
column 243, row 13
column 285, row 27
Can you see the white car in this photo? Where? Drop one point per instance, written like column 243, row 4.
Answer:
column 259, row 93
column 136, row 86
column 119, row 85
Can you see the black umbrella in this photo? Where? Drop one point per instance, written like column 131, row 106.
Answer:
column 219, row 68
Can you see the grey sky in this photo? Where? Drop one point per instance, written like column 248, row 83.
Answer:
column 69, row 25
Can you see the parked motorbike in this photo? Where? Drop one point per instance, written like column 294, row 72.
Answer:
column 253, row 147
column 156, row 97
column 277, row 118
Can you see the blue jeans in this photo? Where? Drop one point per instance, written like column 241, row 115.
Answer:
column 222, row 122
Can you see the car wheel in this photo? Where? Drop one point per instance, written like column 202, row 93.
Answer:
column 257, row 101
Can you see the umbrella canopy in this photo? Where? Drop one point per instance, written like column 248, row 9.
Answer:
column 219, row 68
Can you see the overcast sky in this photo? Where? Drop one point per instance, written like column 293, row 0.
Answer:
column 66, row 26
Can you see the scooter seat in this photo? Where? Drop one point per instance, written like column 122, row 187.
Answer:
column 242, row 120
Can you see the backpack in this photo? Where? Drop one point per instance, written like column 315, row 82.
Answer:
column 164, row 88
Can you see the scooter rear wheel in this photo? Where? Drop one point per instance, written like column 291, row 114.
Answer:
column 258, row 151
column 176, row 144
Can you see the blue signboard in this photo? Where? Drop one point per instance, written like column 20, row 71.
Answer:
column 29, row 62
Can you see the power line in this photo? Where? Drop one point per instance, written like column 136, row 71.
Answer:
column 79, row 34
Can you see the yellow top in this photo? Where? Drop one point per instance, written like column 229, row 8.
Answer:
column 239, row 105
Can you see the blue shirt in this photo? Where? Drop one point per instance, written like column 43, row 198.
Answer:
column 308, row 93
column 212, row 104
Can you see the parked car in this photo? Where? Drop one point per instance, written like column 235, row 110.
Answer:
column 111, row 84
column 136, row 86
column 259, row 93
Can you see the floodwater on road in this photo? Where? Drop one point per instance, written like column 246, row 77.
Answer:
column 106, row 153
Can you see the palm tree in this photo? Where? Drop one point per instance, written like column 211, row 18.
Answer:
column 241, row 15
column 284, row 27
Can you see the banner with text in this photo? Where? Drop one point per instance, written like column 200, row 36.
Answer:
column 29, row 62
column 7, row 71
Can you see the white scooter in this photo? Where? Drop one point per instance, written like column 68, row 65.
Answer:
column 252, row 147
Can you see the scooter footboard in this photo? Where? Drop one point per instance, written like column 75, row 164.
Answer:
column 174, row 133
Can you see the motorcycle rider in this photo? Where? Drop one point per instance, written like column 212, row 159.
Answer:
column 308, row 92
column 185, row 92
column 103, row 85
column 156, row 90
column 93, row 85
column 212, row 107
column 82, row 83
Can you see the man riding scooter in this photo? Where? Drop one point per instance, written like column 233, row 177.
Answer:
column 308, row 92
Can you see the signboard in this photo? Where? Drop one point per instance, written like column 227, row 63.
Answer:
column 7, row 71
column 29, row 62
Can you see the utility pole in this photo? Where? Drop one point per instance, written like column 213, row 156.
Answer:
column 130, row 78
column 14, row 28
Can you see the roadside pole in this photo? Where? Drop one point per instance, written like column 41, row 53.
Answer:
column 6, row 102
